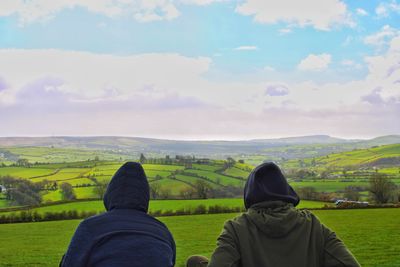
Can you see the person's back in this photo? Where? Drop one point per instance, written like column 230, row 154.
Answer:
column 274, row 233
column 125, row 235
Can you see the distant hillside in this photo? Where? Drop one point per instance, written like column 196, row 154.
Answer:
column 377, row 156
column 271, row 149
column 383, row 140
column 311, row 139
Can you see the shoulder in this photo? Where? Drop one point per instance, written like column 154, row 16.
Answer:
column 91, row 221
column 237, row 222
column 157, row 222
column 313, row 221
column 308, row 215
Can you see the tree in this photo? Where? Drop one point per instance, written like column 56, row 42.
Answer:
column 67, row 191
column 202, row 189
column 301, row 163
column 155, row 190
column 100, row 189
column 55, row 186
column 301, row 174
column 351, row 193
column 188, row 164
column 230, row 162
column 142, row 159
column 165, row 193
column 21, row 192
column 324, row 174
column 313, row 162
column 381, row 188
column 23, row 163
column 187, row 193
column 307, row 192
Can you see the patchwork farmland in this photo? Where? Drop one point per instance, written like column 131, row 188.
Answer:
column 174, row 183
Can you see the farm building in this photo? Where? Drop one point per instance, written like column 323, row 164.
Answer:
column 2, row 189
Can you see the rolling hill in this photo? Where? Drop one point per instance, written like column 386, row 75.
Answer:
column 377, row 156
column 271, row 149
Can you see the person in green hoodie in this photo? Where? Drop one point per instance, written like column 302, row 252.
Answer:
column 272, row 232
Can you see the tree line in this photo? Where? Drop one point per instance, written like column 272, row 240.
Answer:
column 381, row 190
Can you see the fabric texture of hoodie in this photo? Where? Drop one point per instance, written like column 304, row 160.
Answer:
column 274, row 233
column 125, row 235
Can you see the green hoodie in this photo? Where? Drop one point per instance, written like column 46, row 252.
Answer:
column 274, row 233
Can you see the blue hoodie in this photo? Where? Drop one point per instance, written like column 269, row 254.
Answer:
column 125, row 235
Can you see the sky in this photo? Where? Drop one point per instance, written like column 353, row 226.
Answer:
column 200, row 69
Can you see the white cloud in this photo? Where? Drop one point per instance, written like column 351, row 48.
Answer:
column 315, row 62
column 277, row 90
column 269, row 68
column 381, row 11
column 384, row 8
column 201, row 2
column 382, row 37
column 285, row 31
column 347, row 62
column 84, row 93
column 247, row 47
column 361, row 12
column 141, row 10
column 350, row 64
column 347, row 41
column 322, row 15
column 91, row 75
column 384, row 70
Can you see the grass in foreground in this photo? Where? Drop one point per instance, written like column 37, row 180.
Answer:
column 372, row 235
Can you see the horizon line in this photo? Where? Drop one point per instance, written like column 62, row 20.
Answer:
column 200, row 140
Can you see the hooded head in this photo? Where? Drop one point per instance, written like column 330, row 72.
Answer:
column 128, row 189
column 267, row 183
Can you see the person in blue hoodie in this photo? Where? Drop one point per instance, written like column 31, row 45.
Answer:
column 125, row 235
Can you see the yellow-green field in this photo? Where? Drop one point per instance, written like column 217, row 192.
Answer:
column 351, row 158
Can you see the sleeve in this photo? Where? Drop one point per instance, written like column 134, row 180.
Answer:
column 227, row 253
column 335, row 252
column 78, row 249
column 174, row 250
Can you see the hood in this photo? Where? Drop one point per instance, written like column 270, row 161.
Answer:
column 267, row 183
column 128, row 189
column 274, row 218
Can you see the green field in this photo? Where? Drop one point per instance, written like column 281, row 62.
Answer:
column 3, row 203
column 53, row 155
column 328, row 185
column 216, row 177
column 83, row 173
column 174, row 186
column 236, row 172
column 161, row 205
column 174, row 179
column 371, row 234
column 25, row 172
